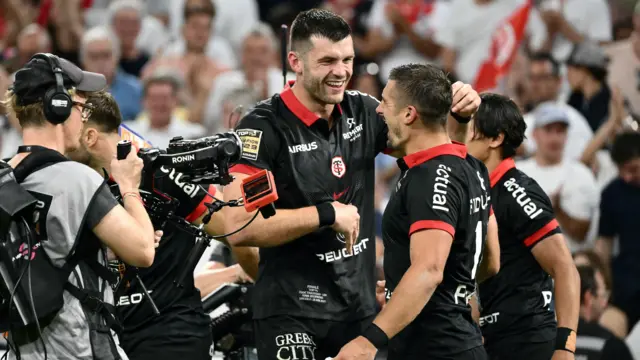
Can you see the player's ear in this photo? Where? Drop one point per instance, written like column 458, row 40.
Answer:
column 497, row 141
column 295, row 62
column 90, row 137
column 410, row 115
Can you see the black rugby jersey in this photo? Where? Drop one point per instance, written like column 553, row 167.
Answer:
column 314, row 276
column 516, row 300
column 439, row 188
column 180, row 307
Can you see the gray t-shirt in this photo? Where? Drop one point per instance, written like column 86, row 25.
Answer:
column 68, row 191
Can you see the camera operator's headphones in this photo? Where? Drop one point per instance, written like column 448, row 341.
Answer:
column 57, row 102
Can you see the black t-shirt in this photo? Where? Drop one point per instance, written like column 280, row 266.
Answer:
column 516, row 302
column 597, row 343
column 313, row 276
column 439, row 188
column 180, row 307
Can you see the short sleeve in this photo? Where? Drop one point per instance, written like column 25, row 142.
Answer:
column 100, row 205
column 433, row 198
column 191, row 197
column 260, row 143
column 607, row 226
column 529, row 211
column 600, row 28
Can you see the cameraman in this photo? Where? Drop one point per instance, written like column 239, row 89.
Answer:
column 78, row 209
column 182, row 328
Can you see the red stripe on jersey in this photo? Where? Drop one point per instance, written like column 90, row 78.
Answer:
column 502, row 168
column 244, row 169
column 201, row 208
column 297, row 108
column 417, row 158
column 431, row 224
column 538, row 235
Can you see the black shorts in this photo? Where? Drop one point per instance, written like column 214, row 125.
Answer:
column 477, row 353
column 163, row 347
column 289, row 337
column 521, row 351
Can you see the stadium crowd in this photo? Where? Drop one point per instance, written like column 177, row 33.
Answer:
column 181, row 67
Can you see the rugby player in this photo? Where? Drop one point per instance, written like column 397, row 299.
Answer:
column 434, row 228
column 316, row 284
column 517, row 319
column 182, row 328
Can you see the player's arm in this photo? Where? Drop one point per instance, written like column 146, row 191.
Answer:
column 490, row 264
column 431, row 235
column 543, row 237
column 210, row 279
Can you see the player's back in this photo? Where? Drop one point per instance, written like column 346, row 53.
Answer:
column 456, row 186
column 516, row 302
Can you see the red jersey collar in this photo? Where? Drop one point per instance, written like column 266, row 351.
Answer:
column 297, row 108
column 502, row 168
column 415, row 159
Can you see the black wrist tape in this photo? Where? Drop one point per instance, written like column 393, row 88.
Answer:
column 459, row 118
column 566, row 339
column 326, row 214
column 376, row 336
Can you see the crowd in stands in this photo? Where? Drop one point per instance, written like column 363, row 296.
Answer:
column 181, row 67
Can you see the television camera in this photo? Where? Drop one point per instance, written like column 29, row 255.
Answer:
column 232, row 330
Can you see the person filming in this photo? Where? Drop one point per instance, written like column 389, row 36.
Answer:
column 181, row 329
column 78, row 213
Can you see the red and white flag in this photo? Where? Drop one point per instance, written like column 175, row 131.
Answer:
column 504, row 44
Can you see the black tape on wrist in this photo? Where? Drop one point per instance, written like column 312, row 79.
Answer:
column 566, row 339
column 376, row 336
column 459, row 118
column 326, row 214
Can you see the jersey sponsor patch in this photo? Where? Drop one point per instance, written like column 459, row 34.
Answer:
column 338, row 167
column 250, row 143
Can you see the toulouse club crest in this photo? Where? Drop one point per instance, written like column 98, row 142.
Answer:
column 338, row 168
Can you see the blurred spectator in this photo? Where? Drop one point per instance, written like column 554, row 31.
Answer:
column 624, row 65
column 64, row 21
column 594, row 341
column 125, row 18
column 234, row 20
column 235, row 106
column 160, row 99
column 14, row 16
column 466, row 34
column 619, row 220
column 198, row 35
column 569, row 184
column 10, row 133
column 100, row 53
column 587, row 75
column 572, row 22
column 366, row 80
column 357, row 13
column 545, row 83
column 402, row 32
column 257, row 71
column 31, row 40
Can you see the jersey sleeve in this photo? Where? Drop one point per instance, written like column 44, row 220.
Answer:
column 530, row 211
column 433, row 198
column 260, row 143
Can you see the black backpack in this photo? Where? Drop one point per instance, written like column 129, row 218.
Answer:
column 31, row 287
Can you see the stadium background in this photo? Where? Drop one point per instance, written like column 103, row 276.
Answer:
column 173, row 75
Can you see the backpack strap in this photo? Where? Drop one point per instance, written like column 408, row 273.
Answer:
column 35, row 161
column 96, row 305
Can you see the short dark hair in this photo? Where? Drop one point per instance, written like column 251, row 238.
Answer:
column 587, row 281
column 626, row 147
column 190, row 10
column 105, row 113
column 545, row 56
column 427, row 88
column 317, row 22
column 497, row 115
column 161, row 77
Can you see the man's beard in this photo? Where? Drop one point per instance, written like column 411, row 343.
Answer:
column 394, row 137
column 83, row 156
column 316, row 88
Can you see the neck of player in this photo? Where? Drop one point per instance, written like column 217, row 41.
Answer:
column 424, row 140
column 322, row 110
column 51, row 137
column 493, row 160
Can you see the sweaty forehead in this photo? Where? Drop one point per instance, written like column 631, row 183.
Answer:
column 324, row 47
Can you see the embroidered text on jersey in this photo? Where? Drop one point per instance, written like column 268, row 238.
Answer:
column 518, row 193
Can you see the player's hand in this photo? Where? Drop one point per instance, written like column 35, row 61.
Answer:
column 126, row 173
column 563, row 355
column 466, row 101
column 381, row 295
column 156, row 237
column 347, row 223
column 358, row 349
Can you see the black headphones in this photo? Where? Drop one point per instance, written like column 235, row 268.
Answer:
column 57, row 102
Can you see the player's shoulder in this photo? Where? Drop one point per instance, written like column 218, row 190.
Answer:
column 75, row 172
column 360, row 100
column 519, row 189
column 260, row 118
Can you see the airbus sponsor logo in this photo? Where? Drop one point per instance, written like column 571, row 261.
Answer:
column 303, row 147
